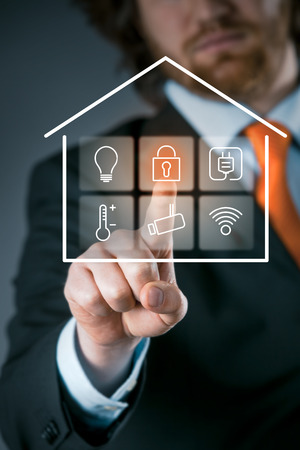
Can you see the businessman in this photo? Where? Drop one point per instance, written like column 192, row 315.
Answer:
column 228, row 375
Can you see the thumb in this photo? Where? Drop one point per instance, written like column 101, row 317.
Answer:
column 166, row 300
column 162, row 306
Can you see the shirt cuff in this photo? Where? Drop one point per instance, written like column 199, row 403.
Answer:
column 89, row 399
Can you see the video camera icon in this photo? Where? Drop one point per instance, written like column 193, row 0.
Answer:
column 225, row 163
column 172, row 222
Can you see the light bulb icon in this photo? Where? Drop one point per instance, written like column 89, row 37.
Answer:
column 106, row 159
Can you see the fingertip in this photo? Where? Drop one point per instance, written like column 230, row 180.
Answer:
column 158, row 296
column 164, row 299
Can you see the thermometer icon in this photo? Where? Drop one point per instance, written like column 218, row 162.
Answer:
column 103, row 232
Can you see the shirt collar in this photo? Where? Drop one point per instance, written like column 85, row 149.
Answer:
column 287, row 112
column 201, row 113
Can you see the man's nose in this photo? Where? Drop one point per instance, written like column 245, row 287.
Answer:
column 205, row 11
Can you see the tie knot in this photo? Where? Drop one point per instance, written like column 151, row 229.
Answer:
column 279, row 145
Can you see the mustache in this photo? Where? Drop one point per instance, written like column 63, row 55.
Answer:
column 220, row 25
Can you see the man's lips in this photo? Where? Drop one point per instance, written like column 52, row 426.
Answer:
column 219, row 41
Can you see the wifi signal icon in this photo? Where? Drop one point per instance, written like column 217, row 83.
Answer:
column 226, row 218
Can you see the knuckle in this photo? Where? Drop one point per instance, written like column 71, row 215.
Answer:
column 120, row 298
column 69, row 290
column 144, row 271
column 119, row 293
column 73, row 270
column 89, row 299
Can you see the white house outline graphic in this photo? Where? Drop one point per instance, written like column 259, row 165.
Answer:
column 115, row 91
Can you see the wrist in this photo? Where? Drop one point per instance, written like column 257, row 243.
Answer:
column 107, row 366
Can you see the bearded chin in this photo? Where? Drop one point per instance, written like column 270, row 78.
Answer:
column 237, row 76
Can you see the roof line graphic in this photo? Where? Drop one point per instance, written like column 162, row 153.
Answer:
column 144, row 72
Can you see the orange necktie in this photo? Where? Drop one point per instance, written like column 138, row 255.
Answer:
column 283, row 214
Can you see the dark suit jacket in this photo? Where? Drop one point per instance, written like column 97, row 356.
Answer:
column 227, row 377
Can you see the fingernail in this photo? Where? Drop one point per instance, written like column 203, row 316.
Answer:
column 155, row 297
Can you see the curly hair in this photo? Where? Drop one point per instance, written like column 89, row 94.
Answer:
column 117, row 20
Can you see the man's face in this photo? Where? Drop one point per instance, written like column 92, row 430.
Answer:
column 236, row 45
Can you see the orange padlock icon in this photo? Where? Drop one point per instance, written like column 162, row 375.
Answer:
column 166, row 168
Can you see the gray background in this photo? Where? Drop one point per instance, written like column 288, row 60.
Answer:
column 51, row 67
